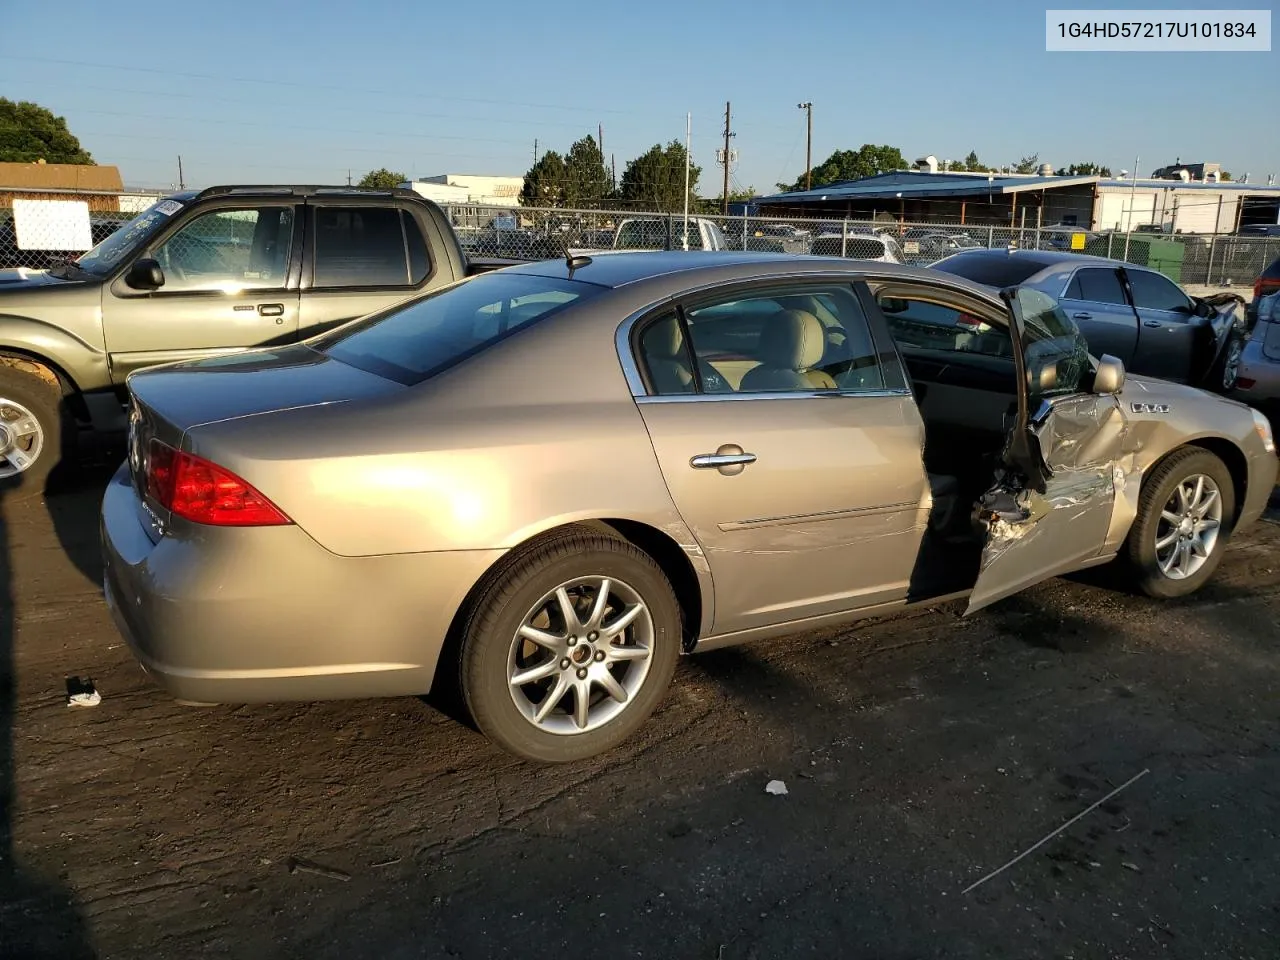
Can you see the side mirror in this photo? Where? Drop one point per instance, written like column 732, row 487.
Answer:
column 145, row 275
column 1109, row 378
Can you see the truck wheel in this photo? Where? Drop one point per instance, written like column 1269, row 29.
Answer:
column 31, row 432
column 1185, row 512
column 570, row 649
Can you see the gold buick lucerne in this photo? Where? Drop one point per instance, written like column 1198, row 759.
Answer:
column 540, row 486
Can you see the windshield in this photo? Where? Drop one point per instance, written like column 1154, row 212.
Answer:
column 113, row 251
column 426, row 336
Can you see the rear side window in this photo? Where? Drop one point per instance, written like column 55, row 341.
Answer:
column 367, row 247
column 1097, row 286
column 417, row 340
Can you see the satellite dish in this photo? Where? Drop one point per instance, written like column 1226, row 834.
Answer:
column 1123, row 174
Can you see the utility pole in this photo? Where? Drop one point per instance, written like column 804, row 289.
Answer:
column 724, row 202
column 181, row 183
column 348, row 176
column 600, row 138
column 807, row 106
column 535, row 151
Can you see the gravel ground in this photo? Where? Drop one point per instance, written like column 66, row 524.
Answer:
column 919, row 754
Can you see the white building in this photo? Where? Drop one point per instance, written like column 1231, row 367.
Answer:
column 1181, row 206
column 466, row 188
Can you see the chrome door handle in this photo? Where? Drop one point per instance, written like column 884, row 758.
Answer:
column 729, row 458
column 1151, row 323
column 722, row 459
column 271, row 309
column 1082, row 316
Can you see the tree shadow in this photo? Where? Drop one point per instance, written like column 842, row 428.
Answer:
column 38, row 915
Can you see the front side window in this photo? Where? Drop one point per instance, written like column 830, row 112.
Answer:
column 1055, row 352
column 416, row 340
column 367, row 247
column 1156, row 292
column 228, row 250
column 784, row 340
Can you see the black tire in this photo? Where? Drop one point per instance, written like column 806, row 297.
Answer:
column 21, row 387
column 1157, row 489
column 499, row 611
column 1226, row 369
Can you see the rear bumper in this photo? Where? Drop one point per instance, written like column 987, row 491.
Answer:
column 223, row 615
column 1264, row 373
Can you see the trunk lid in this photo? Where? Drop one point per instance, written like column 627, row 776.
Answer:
column 166, row 402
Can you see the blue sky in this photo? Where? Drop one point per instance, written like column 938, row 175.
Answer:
column 263, row 92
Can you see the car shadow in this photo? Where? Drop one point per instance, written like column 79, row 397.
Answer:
column 39, row 916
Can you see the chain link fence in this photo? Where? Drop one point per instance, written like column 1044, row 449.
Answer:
column 534, row 233
column 39, row 230
column 526, row 233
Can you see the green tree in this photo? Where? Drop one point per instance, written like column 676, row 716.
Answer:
column 971, row 162
column 586, row 181
column 382, row 179
column 1224, row 175
column 1084, row 170
column 866, row 161
column 655, row 179
column 544, row 184
column 1028, row 164
column 29, row 132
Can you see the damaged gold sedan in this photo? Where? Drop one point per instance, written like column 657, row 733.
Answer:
column 544, row 484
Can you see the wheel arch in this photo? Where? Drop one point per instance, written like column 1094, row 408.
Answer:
column 690, row 581
column 1237, row 464
column 49, row 370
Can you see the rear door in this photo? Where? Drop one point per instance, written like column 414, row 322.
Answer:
column 1051, row 510
column 791, row 447
column 1167, row 338
column 361, row 256
column 1096, row 301
column 230, row 283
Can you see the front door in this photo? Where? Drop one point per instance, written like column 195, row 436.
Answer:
column 229, row 285
column 791, row 448
column 1050, row 511
column 1167, row 338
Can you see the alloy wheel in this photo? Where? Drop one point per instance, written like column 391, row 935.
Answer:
column 580, row 655
column 1231, row 366
column 21, row 438
column 1189, row 527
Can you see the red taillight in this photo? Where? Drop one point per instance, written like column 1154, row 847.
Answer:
column 203, row 492
column 1264, row 285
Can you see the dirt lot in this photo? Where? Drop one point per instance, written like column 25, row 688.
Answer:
column 919, row 755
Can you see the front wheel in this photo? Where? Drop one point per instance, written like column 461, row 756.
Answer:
column 1184, row 517
column 1226, row 370
column 568, row 651
column 31, row 432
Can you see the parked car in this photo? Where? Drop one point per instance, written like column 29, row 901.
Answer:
column 668, row 233
column 1134, row 313
column 525, row 484
column 930, row 247
column 1258, row 381
column 857, row 246
column 200, row 273
column 1268, row 282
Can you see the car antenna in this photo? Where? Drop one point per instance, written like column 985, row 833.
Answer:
column 573, row 262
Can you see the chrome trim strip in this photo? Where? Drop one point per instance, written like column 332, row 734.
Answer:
column 781, row 395
column 846, row 514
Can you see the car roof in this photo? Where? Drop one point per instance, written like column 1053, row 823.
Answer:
column 1041, row 258
column 681, row 270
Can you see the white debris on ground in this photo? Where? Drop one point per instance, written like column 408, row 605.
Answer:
column 776, row 787
column 81, row 692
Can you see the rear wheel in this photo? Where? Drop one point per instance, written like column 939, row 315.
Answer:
column 1184, row 518
column 1226, row 371
column 31, row 435
column 570, row 649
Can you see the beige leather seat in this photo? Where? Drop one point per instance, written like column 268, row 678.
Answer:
column 791, row 345
column 663, row 347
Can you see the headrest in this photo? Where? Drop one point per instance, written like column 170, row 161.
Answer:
column 792, row 340
column 664, row 339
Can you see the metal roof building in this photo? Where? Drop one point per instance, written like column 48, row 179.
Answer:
column 1017, row 200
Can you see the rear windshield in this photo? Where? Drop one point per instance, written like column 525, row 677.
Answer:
column 994, row 271
column 426, row 336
